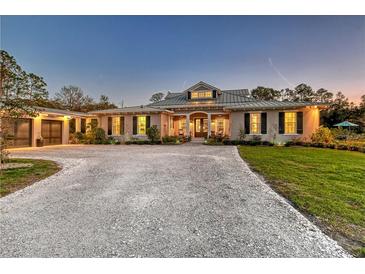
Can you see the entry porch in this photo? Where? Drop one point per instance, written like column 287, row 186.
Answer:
column 200, row 124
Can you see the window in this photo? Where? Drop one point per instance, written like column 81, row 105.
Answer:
column 255, row 125
column 182, row 124
column 290, row 122
column 194, row 95
column 220, row 125
column 141, row 125
column 116, row 126
column 201, row 94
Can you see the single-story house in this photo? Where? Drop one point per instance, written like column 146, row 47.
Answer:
column 200, row 111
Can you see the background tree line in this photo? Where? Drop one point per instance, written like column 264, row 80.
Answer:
column 340, row 108
column 73, row 98
column 21, row 92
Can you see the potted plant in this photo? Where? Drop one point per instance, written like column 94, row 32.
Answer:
column 39, row 141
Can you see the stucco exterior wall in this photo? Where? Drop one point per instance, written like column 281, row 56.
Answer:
column 311, row 120
column 155, row 119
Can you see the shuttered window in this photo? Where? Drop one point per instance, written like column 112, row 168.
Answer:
column 116, row 126
column 290, row 122
column 141, row 125
column 255, row 123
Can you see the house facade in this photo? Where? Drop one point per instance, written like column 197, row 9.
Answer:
column 200, row 111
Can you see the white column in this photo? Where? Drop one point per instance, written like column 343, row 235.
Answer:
column 209, row 124
column 77, row 124
column 187, row 125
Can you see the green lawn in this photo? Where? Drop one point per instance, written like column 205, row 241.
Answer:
column 14, row 179
column 328, row 184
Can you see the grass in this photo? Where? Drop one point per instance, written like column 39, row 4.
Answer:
column 14, row 179
column 326, row 184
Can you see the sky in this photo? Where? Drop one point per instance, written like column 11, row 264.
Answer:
column 131, row 57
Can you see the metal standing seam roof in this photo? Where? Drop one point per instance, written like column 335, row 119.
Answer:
column 61, row 111
column 133, row 109
column 227, row 97
column 237, row 99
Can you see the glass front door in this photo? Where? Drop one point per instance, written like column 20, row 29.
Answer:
column 200, row 127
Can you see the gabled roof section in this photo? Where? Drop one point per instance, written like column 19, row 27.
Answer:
column 201, row 86
column 226, row 98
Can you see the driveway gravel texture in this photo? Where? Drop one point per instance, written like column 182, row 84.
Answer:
column 153, row 201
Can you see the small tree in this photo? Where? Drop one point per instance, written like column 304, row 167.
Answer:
column 242, row 134
column 153, row 133
column 20, row 93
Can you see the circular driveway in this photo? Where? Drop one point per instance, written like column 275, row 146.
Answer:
column 153, row 201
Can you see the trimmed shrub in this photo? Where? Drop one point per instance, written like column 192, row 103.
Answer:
column 153, row 133
column 342, row 147
column 112, row 141
column 99, row 136
column 142, row 142
column 171, row 140
column 322, row 135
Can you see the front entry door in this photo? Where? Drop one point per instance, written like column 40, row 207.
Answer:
column 201, row 127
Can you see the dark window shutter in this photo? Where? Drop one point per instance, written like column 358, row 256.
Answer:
column 247, row 123
column 189, row 95
column 122, row 125
column 110, row 125
column 281, row 122
column 83, row 125
column 214, row 93
column 300, row 122
column 263, row 123
column 148, row 122
column 134, row 125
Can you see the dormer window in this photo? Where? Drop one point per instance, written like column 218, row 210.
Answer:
column 201, row 94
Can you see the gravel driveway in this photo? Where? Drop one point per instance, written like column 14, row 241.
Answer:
column 153, row 201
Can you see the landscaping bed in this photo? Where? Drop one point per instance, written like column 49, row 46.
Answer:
column 327, row 185
column 13, row 179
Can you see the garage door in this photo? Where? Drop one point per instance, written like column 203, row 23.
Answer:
column 19, row 132
column 51, row 132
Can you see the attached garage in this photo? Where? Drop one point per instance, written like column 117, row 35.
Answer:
column 51, row 132
column 19, row 133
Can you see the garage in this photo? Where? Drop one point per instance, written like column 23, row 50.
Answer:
column 51, row 132
column 19, row 133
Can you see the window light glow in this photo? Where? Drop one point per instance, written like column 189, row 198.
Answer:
column 141, row 125
column 115, row 126
column 201, row 94
column 255, row 123
column 290, row 122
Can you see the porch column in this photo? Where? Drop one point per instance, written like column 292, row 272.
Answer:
column 187, row 125
column 209, row 122
column 77, row 124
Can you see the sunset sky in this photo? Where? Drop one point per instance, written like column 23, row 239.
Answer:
column 131, row 57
